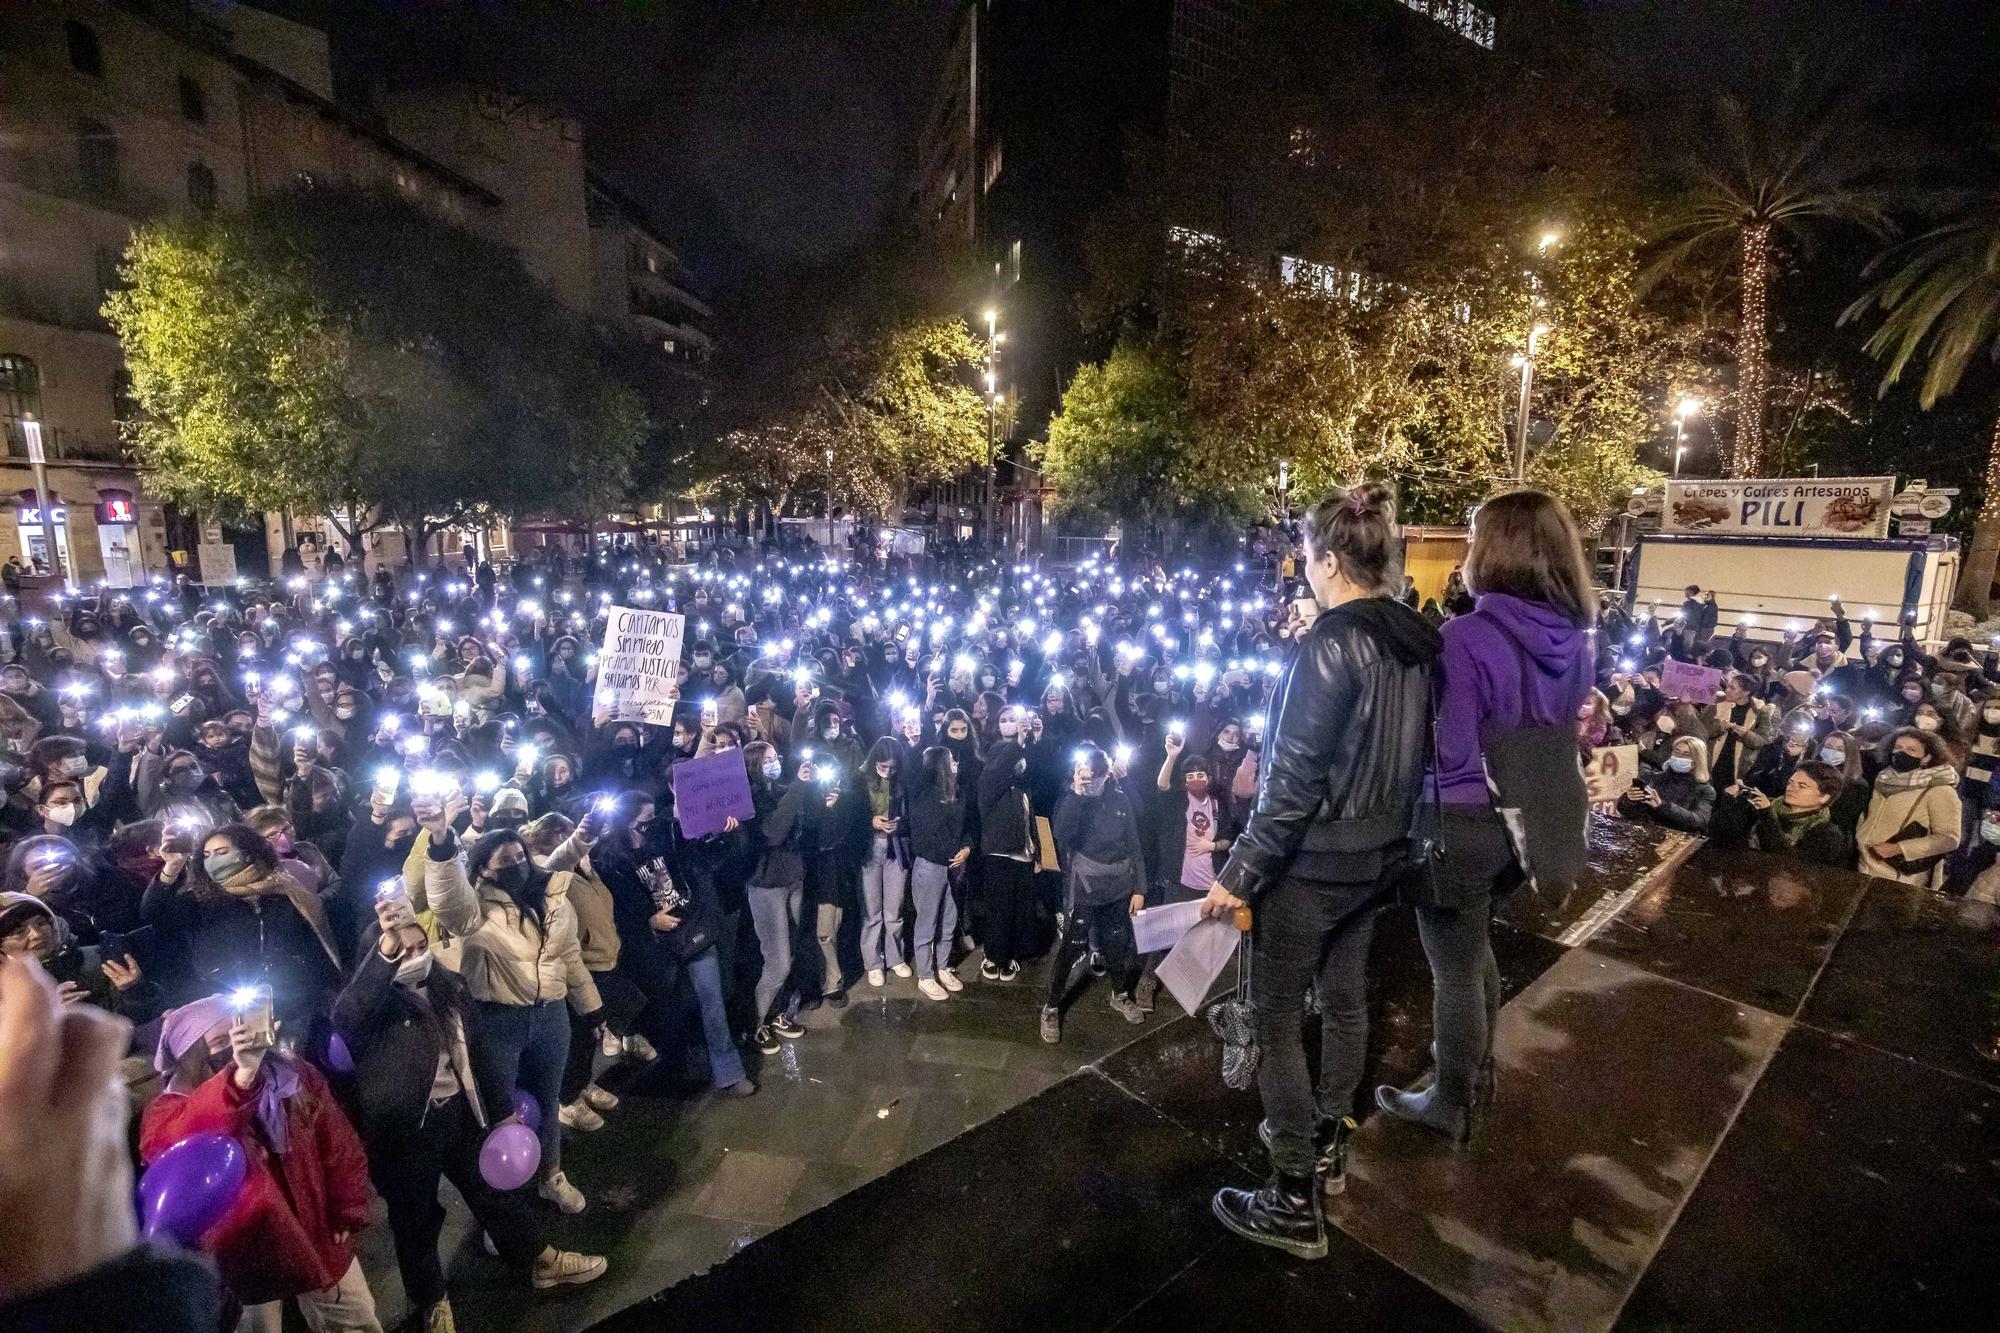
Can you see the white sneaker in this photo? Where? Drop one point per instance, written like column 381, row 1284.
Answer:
column 600, row 1099
column 557, row 1190
column 578, row 1115
column 638, row 1048
column 902, row 970
column 931, row 990
column 567, row 1268
column 877, row 977
column 949, row 979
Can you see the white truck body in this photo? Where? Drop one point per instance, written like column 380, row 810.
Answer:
column 1784, row 582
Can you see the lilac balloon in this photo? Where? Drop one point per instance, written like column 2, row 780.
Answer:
column 190, row 1186
column 509, row 1157
column 338, row 1058
column 528, row 1110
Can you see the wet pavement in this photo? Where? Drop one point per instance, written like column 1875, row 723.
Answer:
column 1735, row 1093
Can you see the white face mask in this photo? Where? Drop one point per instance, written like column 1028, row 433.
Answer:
column 1008, row 728
column 1927, row 724
column 76, row 765
column 64, row 815
column 832, row 733
column 413, row 968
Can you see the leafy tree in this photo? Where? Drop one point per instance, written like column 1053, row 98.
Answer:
column 1941, row 300
column 1124, row 446
column 347, row 354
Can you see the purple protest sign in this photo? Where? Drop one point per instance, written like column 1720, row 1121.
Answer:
column 1685, row 680
column 708, row 790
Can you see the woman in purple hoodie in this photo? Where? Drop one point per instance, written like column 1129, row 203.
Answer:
column 1521, row 658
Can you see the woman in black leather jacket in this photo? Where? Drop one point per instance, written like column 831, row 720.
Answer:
column 1343, row 766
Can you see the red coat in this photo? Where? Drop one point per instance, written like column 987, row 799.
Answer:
column 279, row 1238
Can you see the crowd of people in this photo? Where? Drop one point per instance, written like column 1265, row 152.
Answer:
column 1864, row 751
column 370, row 870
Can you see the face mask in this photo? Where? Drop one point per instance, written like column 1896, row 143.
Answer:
column 1008, row 728
column 1227, row 747
column 344, row 714
column 222, row 865
column 1940, row 688
column 773, row 770
column 1829, row 755
column 1989, row 833
column 512, row 878
column 1904, row 763
column 1926, row 724
column 1893, row 659
column 625, row 746
column 64, row 815
column 185, row 780
column 1758, row 663
column 413, row 968
column 1913, row 695
column 1664, row 725
column 76, row 765
column 282, row 844
column 1621, row 709
column 832, row 733
column 402, row 843
column 1197, row 787
column 1681, row 763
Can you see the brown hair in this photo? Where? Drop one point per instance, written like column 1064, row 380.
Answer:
column 1357, row 527
column 1525, row 544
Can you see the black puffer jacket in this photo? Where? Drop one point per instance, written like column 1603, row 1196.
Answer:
column 1344, row 757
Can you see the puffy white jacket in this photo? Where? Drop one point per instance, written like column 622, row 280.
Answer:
column 505, row 958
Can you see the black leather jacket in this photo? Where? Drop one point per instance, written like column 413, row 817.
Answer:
column 1345, row 755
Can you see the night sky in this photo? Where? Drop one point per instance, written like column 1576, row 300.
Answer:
column 755, row 133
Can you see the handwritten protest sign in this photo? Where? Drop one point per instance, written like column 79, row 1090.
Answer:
column 635, row 665
column 1611, row 770
column 708, row 790
column 1685, row 680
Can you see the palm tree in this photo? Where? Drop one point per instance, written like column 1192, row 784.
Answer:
column 1943, row 300
column 1762, row 176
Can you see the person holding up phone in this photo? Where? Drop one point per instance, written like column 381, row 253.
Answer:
column 290, row 1233
column 105, row 975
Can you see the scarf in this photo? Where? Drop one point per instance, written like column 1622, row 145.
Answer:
column 249, row 883
column 1889, row 781
column 278, row 1079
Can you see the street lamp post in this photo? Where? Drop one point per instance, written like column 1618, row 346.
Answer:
column 829, row 501
column 1688, row 406
column 993, row 337
column 37, row 459
column 1527, row 364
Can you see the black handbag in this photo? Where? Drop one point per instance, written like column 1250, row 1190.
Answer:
column 1422, row 881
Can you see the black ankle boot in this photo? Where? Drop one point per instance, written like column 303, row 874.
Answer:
column 1284, row 1215
column 1329, row 1151
column 1429, row 1109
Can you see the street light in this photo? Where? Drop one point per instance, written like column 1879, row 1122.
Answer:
column 829, row 501
column 1527, row 365
column 994, row 337
column 1688, row 406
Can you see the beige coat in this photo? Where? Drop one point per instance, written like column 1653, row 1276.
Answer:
column 506, row 959
column 1935, row 806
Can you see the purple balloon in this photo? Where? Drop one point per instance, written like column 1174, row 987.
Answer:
column 190, row 1186
column 338, row 1058
column 509, row 1157
column 528, row 1110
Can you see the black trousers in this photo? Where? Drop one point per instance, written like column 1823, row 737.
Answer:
column 1112, row 925
column 1010, row 910
column 406, row 1170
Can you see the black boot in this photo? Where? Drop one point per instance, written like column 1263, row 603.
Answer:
column 1329, row 1151
column 1429, row 1109
column 1284, row 1215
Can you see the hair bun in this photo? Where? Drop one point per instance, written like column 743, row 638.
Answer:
column 1371, row 497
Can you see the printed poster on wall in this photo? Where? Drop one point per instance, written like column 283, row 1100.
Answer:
column 1762, row 507
column 635, row 665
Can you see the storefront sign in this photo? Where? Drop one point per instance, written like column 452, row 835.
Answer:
column 31, row 517
column 1804, row 507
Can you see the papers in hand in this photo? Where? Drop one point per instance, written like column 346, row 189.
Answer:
column 1158, row 928
column 1194, row 964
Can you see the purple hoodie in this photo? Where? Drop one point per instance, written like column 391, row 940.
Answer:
column 1511, row 663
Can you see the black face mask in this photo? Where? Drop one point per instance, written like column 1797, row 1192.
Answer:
column 512, row 878
column 1905, row 763
column 401, row 843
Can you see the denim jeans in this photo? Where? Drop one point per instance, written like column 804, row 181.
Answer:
column 774, row 912
column 528, row 1045
column 1305, row 934
column 937, row 915
column 882, row 882
column 1465, row 979
column 725, row 1062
